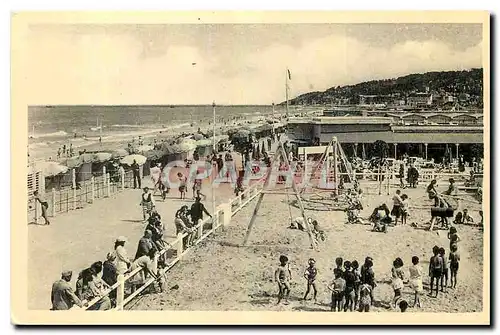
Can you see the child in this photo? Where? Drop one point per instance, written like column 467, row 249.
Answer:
column 405, row 207
column 365, row 301
column 337, row 287
column 339, row 261
column 357, row 282
column 182, row 185
column 282, row 276
column 435, row 269
column 397, row 279
column 310, row 275
column 453, row 236
column 368, row 275
column 416, row 280
column 444, row 277
column 458, row 218
column 350, row 280
column 403, row 306
column 318, row 232
column 467, row 219
column 454, row 258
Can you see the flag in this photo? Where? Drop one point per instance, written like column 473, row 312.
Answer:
column 289, row 74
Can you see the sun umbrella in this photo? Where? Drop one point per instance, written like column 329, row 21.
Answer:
column 86, row 158
column 242, row 133
column 186, row 145
column 143, row 148
column 198, row 137
column 102, row 156
column 119, row 153
column 73, row 162
column 154, row 154
column 50, row 169
column 204, row 143
column 128, row 160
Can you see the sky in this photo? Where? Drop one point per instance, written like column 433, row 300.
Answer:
column 229, row 63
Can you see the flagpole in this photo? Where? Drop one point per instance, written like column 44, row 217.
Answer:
column 214, row 145
column 286, row 91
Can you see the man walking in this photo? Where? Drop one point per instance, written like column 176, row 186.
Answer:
column 135, row 171
column 197, row 210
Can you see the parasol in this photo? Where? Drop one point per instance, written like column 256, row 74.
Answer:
column 198, row 137
column 154, row 154
column 50, row 169
column 204, row 143
column 73, row 162
column 143, row 148
column 119, row 153
column 128, row 160
column 86, row 158
column 102, row 156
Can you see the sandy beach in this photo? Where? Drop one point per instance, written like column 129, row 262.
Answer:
column 222, row 275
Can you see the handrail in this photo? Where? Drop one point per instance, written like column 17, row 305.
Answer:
column 249, row 194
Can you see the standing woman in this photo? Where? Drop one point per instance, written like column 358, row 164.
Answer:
column 402, row 175
column 122, row 260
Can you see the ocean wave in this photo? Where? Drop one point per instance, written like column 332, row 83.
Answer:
column 59, row 133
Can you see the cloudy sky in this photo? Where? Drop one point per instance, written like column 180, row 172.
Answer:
column 232, row 64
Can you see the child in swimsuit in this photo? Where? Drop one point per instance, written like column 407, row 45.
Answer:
column 435, row 269
column 453, row 237
column 454, row 258
column 444, row 277
column 416, row 280
column 397, row 279
column 310, row 275
column 337, row 287
column 365, row 300
column 357, row 282
column 349, row 291
column 282, row 276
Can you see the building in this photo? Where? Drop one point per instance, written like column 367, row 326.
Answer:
column 419, row 99
column 357, row 134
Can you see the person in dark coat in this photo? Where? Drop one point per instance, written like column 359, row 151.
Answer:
column 135, row 171
column 145, row 244
column 197, row 210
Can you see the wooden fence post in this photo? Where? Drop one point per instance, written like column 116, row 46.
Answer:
column 53, row 202
column 122, row 178
column 120, row 292
column 180, row 245
column 103, row 181
column 108, row 179
column 73, row 182
column 200, row 228
column 92, row 185
column 36, row 211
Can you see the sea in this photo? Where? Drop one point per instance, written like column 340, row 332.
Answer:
column 48, row 125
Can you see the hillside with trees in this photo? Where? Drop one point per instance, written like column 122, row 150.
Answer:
column 466, row 86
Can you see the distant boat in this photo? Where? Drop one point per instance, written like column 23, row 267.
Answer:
column 97, row 127
column 172, row 106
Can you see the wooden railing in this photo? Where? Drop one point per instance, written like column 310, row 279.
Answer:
column 220, row 218
column 80, row 195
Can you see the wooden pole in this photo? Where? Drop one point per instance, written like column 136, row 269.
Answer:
column 73, row 177
column 92, row 185
column 122, row 178
column 108, row 179
column 53, row 202
column 120, row 292
column 180, row 244
column 252, row 220
column 335, row 168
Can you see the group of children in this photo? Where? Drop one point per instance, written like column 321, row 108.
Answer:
column 352, row 286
